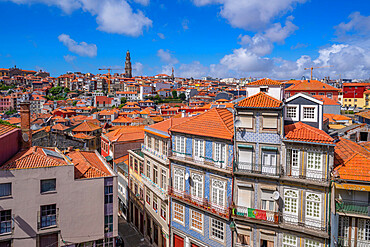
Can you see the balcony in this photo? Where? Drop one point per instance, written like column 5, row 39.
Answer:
column 352, row 207
column 204, row 162
column 308, row 223
column 202, row 203
column 314, row 175
column 345, row 242
column 256, row 214
column 247, row 167
column 161, row 193
column 155, row 154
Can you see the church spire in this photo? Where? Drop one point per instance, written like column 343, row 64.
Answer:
column 173, row 75
column 128, row 68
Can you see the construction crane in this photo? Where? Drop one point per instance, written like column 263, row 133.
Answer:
column 109, row 70
column 311, row 68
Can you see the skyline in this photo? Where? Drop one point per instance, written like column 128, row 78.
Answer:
column 220, row 38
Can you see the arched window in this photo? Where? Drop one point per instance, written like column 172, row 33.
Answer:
column 178, row 180
column 313, row 205
column 291, row 202
column 218, row 192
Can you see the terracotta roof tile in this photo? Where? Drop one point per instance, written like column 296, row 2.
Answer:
column 167, row 124
column 88, row 165
column 264, row 82
column 305, row 133
column 357, row 167
column 345, row 149
column 4, row 129
column 309, row 85
column 126, row 133
column 86, row 127
column 260, row 100
column 216, row 122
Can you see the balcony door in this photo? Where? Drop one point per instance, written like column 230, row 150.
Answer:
column 295, row 164
column 314, row 165
column 269, row 161
column 313, row 210
column 291, row 206
column 245, row 197
column 245, row 159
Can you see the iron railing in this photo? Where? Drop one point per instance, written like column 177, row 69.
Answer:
column 353, row 207
column 314, row 224
column 247, row 167
column 307, row 174
column 204, row 203
column 251, row 213
column 155, row 153
column 154, row 187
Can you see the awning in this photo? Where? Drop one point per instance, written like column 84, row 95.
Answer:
column 244, row 146
column 270, row 148
column 352, row 187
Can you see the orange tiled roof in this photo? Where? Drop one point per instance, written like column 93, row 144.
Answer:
column 217, row 122
column 305, row 133
column 325, row 100
column 126, row 133
column 86, row 127
column 167, row 124
column 357, row 167
column 310, row 85
column 35, row 157
column 4, row 129
column 88, row 165
column 264, row 82
column 260, row 100
column 345, row 149
column 336, row 117
column 59, row 127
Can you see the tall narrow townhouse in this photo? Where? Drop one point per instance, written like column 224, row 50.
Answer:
column 201, row 179
column 350, row 222
column 156, row 178
column 305, row 176
column 258, row 139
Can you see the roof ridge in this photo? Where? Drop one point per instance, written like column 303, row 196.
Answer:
column 222, row 120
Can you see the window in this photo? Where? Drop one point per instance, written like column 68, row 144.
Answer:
column 108, row 194
column 156, row 144
column 220, row 154
column 149, row 139
column 165, row 147
column 291, row 202
column 345, row 100
column 243, row 239
column 198, row 149
column 48, row 215
column 196, row 220
column 5, row 221
column 136, row 166
column 321, row 93
column 197, row 188
column 180, row 144
column 311, row 243
column 178, row 182
column 313, row 206
column 155, row 174
column 329, row 95
column 313, row 93
column 164, row 179
column 155, row 203
column 217, row 229
column 269, row 159
column 270, row 122
column 108, row 223
column 314, row 161
column 163, row 211
column 364, row 230
column 141, row 167
column 289, row 240
column 267, row 203
column 148, row 168
column 178, row 212
column 218, row 192
column 246, row 121
column 148, row 197
column 5, row 189
column 309, row 113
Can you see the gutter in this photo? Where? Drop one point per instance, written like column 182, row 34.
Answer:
column 312, row 143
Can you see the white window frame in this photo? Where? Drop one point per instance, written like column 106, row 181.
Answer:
column 313, row 208
column 314, row 119
column 291, row 204
column 290, row 240
column 200, row 222
column 220, row 161
column 329, row 95
column 296, row 118
column 271, row 117
column 180, row 210
column 218, row 192
column 180, row 145
column 198, row 150
column 250, row 122
column 164, row 179
column 217, row 227
column 179, row 179
column 311, row 243
column 197, row 186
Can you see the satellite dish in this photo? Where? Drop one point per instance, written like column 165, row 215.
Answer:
column 276, row 195
column 186, row 176
column 238, row 123
column 25, row 137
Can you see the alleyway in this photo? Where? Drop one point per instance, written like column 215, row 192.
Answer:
column 130, row 236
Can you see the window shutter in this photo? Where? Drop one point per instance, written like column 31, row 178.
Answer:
column 245, row 155
column 246, row 121
column 270, row 122
column 244, row 196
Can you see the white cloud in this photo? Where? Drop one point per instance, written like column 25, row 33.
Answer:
column 278, row 34
column 166, row 69
column 143, row 2
column 358, row 23
column 138, row 68
column 69, row 58
column 166, row 56
column 251, row 14
column 112, row 16
column 82, row 48
column 194, row 69
column 161, row 35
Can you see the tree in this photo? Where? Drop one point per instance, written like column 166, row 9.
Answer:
column 66, row 90
column 182, row 96
column 174, row 94
column 74, row 103
column 123, row 100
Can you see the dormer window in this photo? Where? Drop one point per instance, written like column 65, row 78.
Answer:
column 309, row 113
column 264, row 89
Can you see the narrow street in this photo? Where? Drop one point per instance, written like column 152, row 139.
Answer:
column 130, row 236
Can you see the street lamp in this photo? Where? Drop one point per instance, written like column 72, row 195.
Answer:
column 233, row 229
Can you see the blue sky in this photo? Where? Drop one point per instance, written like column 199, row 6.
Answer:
column 221, row 38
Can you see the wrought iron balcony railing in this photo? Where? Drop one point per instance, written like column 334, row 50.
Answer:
column 353, row 207
column 310, row 223
column 155, row 153
column 257, row 214
column 247, row 167
column 155, row 187
column 204, row 203
column 307, row 174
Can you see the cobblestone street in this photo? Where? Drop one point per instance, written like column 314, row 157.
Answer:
column 130, row 236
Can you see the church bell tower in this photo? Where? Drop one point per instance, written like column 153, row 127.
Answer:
column 128, row 68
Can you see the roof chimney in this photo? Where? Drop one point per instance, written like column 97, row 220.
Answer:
column 26, row 141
